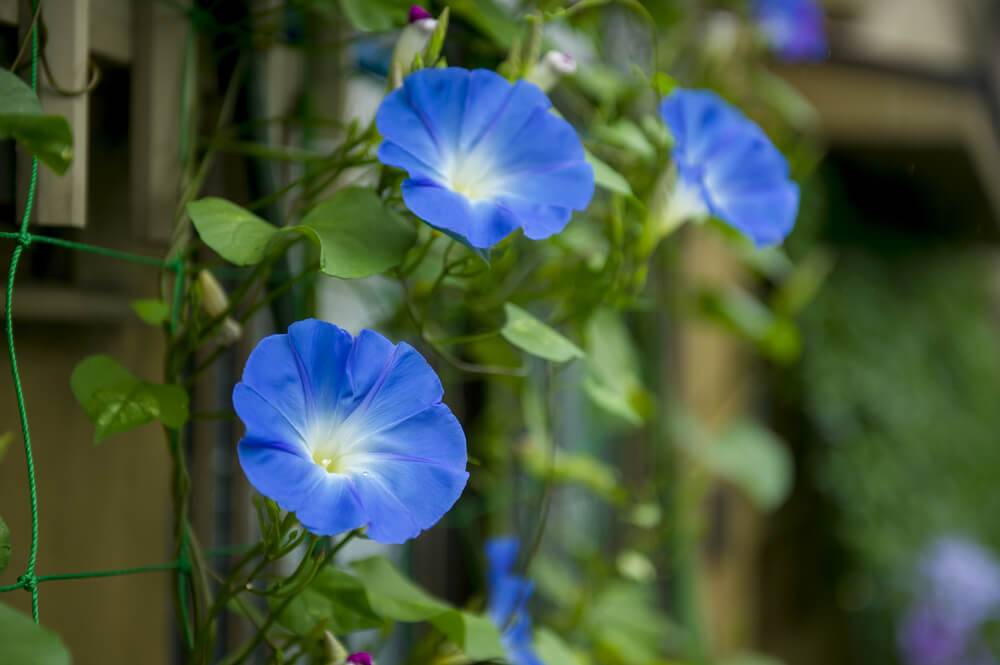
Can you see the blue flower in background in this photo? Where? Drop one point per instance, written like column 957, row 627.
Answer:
column 484, row 156
column 348, row 432
column 957, row 590
column 508, row 599
column 727, row 167
column 794, row 28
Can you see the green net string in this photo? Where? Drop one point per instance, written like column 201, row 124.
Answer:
column 23, row 239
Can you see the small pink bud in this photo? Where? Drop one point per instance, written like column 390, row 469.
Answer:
column 418, row 13
column 362, row 658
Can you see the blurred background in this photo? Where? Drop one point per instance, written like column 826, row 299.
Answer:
column 865, row 353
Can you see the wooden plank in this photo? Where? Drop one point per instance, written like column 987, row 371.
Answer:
column 111, row 29
column 62, row 200
column 157, row 78
column 8, row 11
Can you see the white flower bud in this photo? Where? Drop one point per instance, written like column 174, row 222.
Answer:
column 552, row 67
column 412, row 40
column 215, row 302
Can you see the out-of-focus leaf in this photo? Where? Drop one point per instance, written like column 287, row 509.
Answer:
column 371, row 15
column 48, row 137
column 552, row 650
column 489, row 17
column 803, row 282
column 116, row 401
column 24, row 642
column 572, row 468
column 747, row 454
column 235, row 233
column 335, row 597
column 663, row 83
column 528, row 333
column 625, row 622
column 612, row 380
column 626, row 135
column 433, row 50
column 153, row 312
column 738, row 311
column 608, row 178
column 358, row 235
column 635, row 566
column 395, row 597
column 646, row 515
column 4, row 545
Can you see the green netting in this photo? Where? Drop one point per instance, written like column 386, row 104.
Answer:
column 29, row 581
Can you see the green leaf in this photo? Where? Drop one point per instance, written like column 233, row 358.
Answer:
column 376, row 14
column 395, row 597
column 663, row 83
column 755, row 459
column 24, row 642
column 433, row 50
column 116, row 401
column 489, row 17
column 742, row 313
column 751, row 659
column 747, row 454
column 607, row 177
column 528, row 333
column 612, row 380
column 236, row 234
column 572, row 468
column 626, row 135
column 333, row 596
column 48, row 137
column 358, row 235
column 153, row 312
column 4, row 545
column 552, row 650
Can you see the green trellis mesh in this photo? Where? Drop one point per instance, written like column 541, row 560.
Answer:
column 29, row 581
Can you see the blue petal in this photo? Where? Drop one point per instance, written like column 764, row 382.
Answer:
column 395, row 381
column 742, row 177
column 283, row 473
column 400, row 123
column 700, row 121
column 494, row 119
column 433, row 435
column 472, row 142
column 272, row 372
column 501, row 553
column 321, row 351
column 263, row 420
column 404, row 496
column 333, row 507
column 540, row 221
column 508, row 598
column 765, row 215
column 393, row 155
column 483, row 223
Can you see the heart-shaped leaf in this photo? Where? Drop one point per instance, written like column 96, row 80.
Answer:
column 116, row 401
column 48, row 137
column 528, row 333
column 24, row 642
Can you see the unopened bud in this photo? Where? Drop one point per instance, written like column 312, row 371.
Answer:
column 412, row 40
column 360, row 658
column 552, row 67
column 215, row 303
column 333, row 651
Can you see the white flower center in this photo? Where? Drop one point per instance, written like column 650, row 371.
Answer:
column 472, row 175
column 333, row 447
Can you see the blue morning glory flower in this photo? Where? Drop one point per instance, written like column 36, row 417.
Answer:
column 484, row 156
column 957, row 591
column 794, row 28
column 727, row 167
column 348, row 432
column 508, row 599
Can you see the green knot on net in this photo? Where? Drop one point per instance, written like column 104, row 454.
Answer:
column 28, row 581
column 24, row 239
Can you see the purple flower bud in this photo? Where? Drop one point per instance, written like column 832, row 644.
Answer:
column 361, row 657
column 418, row 13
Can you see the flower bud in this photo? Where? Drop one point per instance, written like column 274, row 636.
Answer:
column 552, row 67
column 360, row 658
column 215, row 302
column 333, row 650
column 412, row 40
